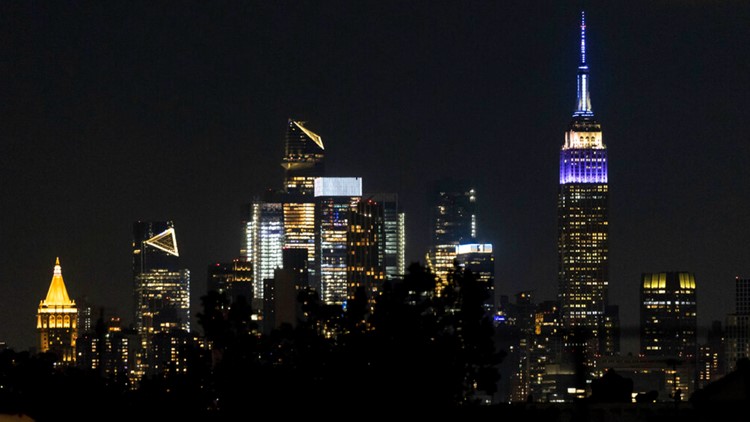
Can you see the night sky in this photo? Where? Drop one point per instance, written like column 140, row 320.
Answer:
column 112, row 112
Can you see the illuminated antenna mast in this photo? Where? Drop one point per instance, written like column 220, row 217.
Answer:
column 584, row 100
column 583, row 38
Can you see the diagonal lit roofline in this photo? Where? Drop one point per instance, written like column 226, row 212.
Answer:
column 168, row 232
column 314, row 136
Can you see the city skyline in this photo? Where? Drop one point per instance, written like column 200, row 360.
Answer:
column 112, row 117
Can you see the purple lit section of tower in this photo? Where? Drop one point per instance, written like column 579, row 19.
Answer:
column 583, row 166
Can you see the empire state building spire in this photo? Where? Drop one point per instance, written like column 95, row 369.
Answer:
column 583, row 107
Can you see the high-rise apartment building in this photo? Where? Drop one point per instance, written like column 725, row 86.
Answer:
column 57, row 320
column 162, row 288
column 583, row 230
column 669, row 323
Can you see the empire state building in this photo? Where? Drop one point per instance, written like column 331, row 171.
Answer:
column 582, row 215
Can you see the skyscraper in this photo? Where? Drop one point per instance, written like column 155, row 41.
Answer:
column 162, row 288
column 738, row 325
column 479, row 259
column 365, row 248
column 303, row 158
column 264, row 241
column 286, row 218
column 393, row 243
column 56, row 320
column 455, row 222
column 668, row 315
column 336, row 196
column 582, row 215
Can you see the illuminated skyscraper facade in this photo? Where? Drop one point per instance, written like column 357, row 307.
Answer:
column 299, row 227
column 583, row 230
column 336, row 197
column 264, row 241
column 57, row 320
column 303, row 159
column 669, row 323
column 365, row 255
column 162, row 288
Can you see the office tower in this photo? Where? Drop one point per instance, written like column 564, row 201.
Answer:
column 336, row 197
column 162, row 288
column 57, row 320
column 286, row 219
column 303, row 158
column 738, row 325
column 393, row 243
column 455, row 223
column 478, row 258
column 264, row 241
column 366, row 249
column 299, row 227
column 582, row 217
column 232, row 278
column 668, row 315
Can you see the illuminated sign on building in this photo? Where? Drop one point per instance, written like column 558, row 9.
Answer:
column 338, row 186
column 474, row 248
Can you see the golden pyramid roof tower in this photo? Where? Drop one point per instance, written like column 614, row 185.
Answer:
column 57, row 295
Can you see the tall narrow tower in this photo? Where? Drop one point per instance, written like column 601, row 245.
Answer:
column 57, row 319
column 582, row 216
column 303, row 158
column 161, row 287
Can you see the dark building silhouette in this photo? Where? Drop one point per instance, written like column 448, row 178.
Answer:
column 393, row 242
column 711, row 357
column 280, row 298
column 455, row 222
column 233, row 278
column 480, row 260
column 738, row 325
